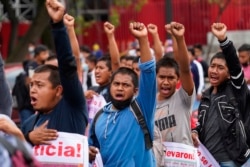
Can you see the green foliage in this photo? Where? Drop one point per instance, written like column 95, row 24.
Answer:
column 140, row 4
column 114, row 17
column 124, row 4
column 81, row 24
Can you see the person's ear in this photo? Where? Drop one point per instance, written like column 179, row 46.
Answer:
column 135, row 90
column 228, row 75
column 59, row 90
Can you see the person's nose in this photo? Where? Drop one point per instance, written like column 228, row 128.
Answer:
column 165, row 81
column 120, row 87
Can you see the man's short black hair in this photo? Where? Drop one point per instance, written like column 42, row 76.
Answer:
column 218, row 55
column 191, row 50
column 244, row 47
column 126, row 71
column 130, row 58
column 92, row 58
column 107, row 60
column 85, row 48
column 51, row 57
column 198, row 46
column 40, row 48
column 169, row 63
column 123, row 58
column 136, row 59
column 54, row 77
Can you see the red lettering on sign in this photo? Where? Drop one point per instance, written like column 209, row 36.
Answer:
column 58, row 150
column 178, row 154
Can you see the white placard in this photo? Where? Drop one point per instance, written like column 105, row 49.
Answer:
column 206, row 159
column 94, row 105
column 69, row 150
column 178, row 154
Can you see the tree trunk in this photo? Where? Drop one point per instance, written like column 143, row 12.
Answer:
column 218, row 19
column 40, row 22
column 14, row 24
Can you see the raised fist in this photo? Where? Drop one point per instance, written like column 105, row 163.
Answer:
column 219, row 30
column 138, row 29
column 55, row 10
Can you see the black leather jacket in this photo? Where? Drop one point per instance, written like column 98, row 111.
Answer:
column 232, row 105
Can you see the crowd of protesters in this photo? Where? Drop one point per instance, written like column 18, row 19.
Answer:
column 163, row 80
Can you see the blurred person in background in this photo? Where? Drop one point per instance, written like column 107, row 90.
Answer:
column 198, row 52
column 6, row 100
column 244, row 57
column 41, row 53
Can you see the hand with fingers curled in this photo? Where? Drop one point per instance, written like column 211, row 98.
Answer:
column 92, row 153
column 168, row 29
column 219, row 30
column 195, row 139
column 68, row 21
column 109, row 28
column 176, row 29
column 138, row 29
column 42, row 135
column 55, row 10
column 152, row 29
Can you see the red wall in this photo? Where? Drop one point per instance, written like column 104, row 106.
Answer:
column 5, row 35
column 196, row 15
column 153, row 12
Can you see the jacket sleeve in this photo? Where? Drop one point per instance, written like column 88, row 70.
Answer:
column 233, row 63
column 72, row 88
column 6, row 100
column 147, row 92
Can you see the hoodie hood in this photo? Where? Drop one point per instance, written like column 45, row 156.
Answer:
column 111, row 118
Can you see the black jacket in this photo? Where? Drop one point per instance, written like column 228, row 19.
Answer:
column 232, row 105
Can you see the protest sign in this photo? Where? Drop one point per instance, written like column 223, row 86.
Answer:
column 68, row 150
column 206, row 159
column 94, row 105
column 178, row 154
column 97, row 162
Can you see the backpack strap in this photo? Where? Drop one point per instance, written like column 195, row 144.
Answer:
column 141, row 120
column 139, row 117
column 92, row 129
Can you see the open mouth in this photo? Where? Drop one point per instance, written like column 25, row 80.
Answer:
column 165, row 90
column 119, row 96
column 214, row 79
column 33, row 101
column 97, row 77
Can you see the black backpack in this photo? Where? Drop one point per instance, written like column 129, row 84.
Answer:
column 139, row 117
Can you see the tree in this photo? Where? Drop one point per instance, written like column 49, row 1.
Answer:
column 40, row 22
column 222, row 5
column 14, row 24
column 18, row 48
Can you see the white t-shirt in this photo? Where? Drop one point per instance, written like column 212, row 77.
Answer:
column 172, row 117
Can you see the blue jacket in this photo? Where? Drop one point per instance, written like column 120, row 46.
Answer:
column 120, row 136
column 6, row 100
column 70, row 114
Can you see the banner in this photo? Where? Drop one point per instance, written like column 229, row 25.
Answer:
column 206, row 159
column 178, row 154
column 97, row 162
column 68, row 150
column 94, row 105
